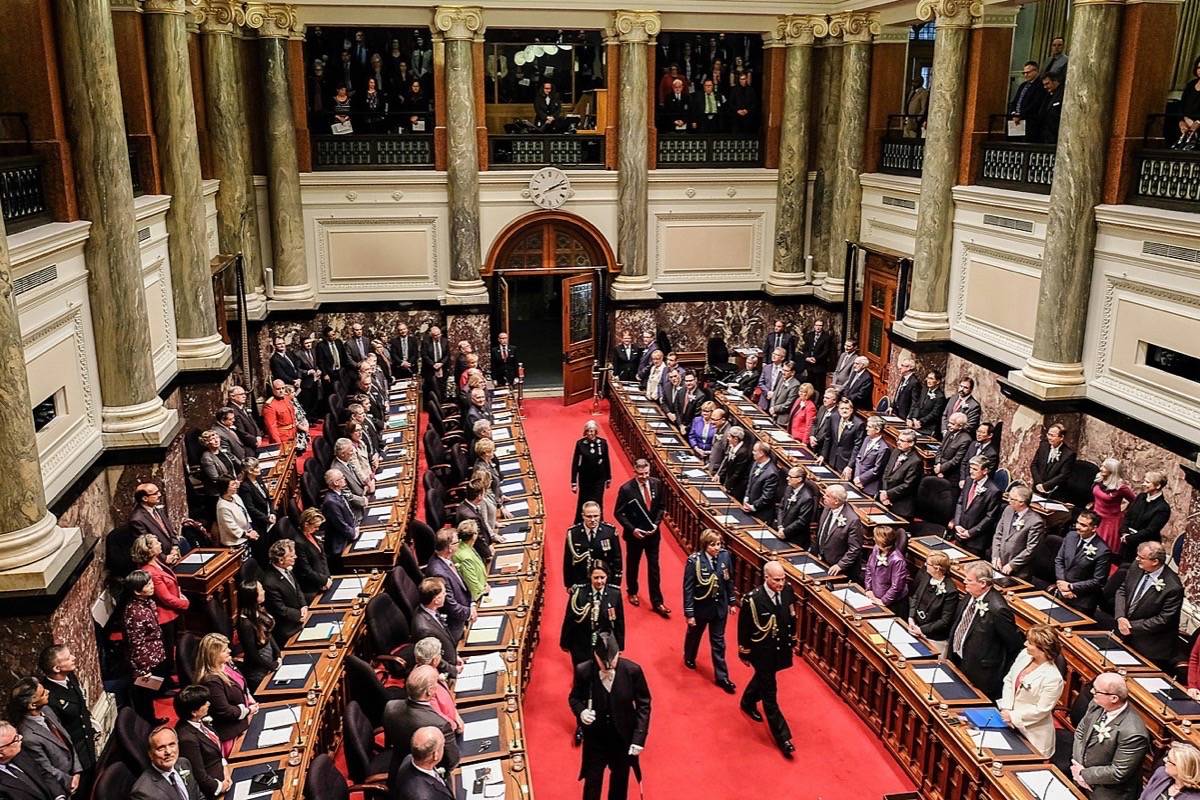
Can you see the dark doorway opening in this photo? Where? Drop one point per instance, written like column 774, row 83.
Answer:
column 535, row 327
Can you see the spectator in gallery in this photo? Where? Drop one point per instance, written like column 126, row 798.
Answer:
column 547, row 111
column 743, row 104
column 1110, row 495
column 1050, row 115
column 342, row 110
column 375, row 73
column 1189, row 110
column 665, row 83
column 677, row 110
column 1027, row 100
column 416, row 108
column 374, row 106
column 709, row 111
column 1056, row 64
column 318, row 89
column 916, row 107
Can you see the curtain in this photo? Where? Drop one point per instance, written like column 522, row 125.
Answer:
column 1051, row 21
column 1187, row 44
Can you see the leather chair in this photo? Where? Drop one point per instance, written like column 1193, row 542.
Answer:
column 435, row 501
column 934, row 507
column 185, row 658
column 115, row 780
column 364, row 686
column 132, row 734
column 325, row 782
column 1077, row 490
column 322, row 453
column 400, row 586
column 388, row 630
column 423, row 541
column 408, row 554
column 365, row 761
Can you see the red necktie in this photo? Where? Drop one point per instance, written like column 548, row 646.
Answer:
column 646, row 493
column 957, row 404
column 971, row 493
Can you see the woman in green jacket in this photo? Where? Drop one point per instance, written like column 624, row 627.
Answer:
column 467, row 561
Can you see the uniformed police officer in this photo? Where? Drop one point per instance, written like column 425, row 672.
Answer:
column 587, row 542
column 593, row 607
column 707, row 593
column 591, row 469
column 766, row 641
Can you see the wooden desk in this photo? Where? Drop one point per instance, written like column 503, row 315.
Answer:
column 280, row 476
column 323, row 671
column 267, row 737
column 291, row 777
column 339, row 626
column 208, row 572
column 346, row 590
column 511, row 771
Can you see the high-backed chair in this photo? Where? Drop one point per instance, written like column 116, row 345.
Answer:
column 934, row 507
column 364, row 686
column 423, row 540
column 388, row 631
column 400, row 586
column 185, row 657
column 115, row 780
column 365, row 761
column 132, row 735
column 325, row 782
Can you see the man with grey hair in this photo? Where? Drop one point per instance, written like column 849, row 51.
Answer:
column 482, row 429
column 417, row 778
column 784, row 395
column 20, row 776
column 1148, row 605
column 860, row 384
column 974, row 521
column 866, row 467
column 950, row 456
column 341, row 518
column 901, row 474
column 839, row 534
column 654, row 376
column 907, row 389
column 1110, row 743
column 735, row 466
column 358, row 486
column 402, row 719
column 1018, row 535
column 985, row 639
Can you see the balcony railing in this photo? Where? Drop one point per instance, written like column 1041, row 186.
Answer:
column 724, row 150
column 560, row 150
column 372, row 151
column 1164, row 177
column 902, row 149
column 1011, row 162
column 22, row 176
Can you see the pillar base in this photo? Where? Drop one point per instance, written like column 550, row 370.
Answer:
column 634, row 287
column 922, row 326
column 465, row 293
column 148, row 424
column 830, row 289
column 302, row 297
column 1047, row 380
column 256, row 306
column 33, row 557
column 787, row 283
column 200, row 355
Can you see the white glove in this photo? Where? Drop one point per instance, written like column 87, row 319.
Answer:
column 635, row 749
column 587, row 716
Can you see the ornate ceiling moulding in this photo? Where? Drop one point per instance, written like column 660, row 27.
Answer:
column 638, row 27
column 272, row 20
column 458, row 22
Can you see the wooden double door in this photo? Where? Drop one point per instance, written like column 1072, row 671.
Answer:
column 881, row 283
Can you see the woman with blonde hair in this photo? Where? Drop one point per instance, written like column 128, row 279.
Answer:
column 1033, row 687
column 467, row 561
column 1179, row 776
column 934, row 602
column 803, row 413
column 1110, row 496
column 232, row 704
column 311, row 569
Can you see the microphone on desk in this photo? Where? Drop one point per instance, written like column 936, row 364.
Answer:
column 978, row 745
column 1104, row 652
column 887, row 638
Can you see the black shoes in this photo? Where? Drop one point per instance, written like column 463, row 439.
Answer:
column 728, row 686
column 689, row 664
column 662, row 611
column 788, row 749
column 578, row 737
column 751, row 712
column 634, row 600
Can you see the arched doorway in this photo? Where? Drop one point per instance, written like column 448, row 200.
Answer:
column 549, row 274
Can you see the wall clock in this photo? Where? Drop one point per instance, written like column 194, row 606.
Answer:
column 550, row 188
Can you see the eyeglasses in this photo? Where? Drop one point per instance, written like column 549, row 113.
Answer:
column 17, row 739
column 1110, row 694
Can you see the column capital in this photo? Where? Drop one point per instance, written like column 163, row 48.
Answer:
column 801, row 29
column 170, row 6
column 855, row 27
column 638, row 27
column 459, row 22
column 272, row 20
column 950, row 13
column 221, row 16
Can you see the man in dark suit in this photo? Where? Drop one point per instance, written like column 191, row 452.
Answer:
column 1018, row 536
column 693, row 397
column 766, row 642
column 284, row 597
column 640, row 506
column 625, row 358
column 45, row 739
column 907, row 388
column 901, row 476
column 331, row 358
column 404, row 350
column 459, row 609
column 1081, row 565
column 402, row 718
column 860, row 384
column 707, row 595
column 357, row 348
column 1146, row 516
column 845, row 434
column 734, row 471
column 839, row 540
column 827, row 413
column 677, row 110
column 70, row 706
column 416, row 778
column 984, row 639
column 20, row 776
column 771, row 376
column 672, row 397
column 591, row 469
column 747, row 380
column 974, row 521
column 547, row 109
column 1050, row 111
column 796, row 506
column 648, row 347
column 1148, row 605
column 504, row 361
column 1110, row 743
column 708, row 109
column 813, row 359
column 148, row 517
column 434, row 356
column 1053, row 462
column 283, row 367
column 744, row 105
column 780, row 336
column 951, row 457
column 1026, row 102
column 866, row 467
column 984, row 445
column 427, row 621
column 168, row 777
column 963, row 402
column 783, row 395
column 243, row 421
column 928, row 406
column 762, row 486
column 610, row 698
column 589, row 541
column 341, row 518
column 231, row 442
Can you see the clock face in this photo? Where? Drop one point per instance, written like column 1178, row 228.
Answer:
column 550, row 188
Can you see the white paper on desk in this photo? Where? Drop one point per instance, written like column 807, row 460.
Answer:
column 483, row 635
column 647, row 411
column 487, row 623
column 749, row 409
column 993, row 740
column 639, row 398
column 809, row 567
column 851, row 494
column 499, row 596
column 293, row 672
column 510, row 560
column 387, row 492
column 512, row 538
column 1152, row 684
column 763, row 423
column 196, row 558
column 265, row 466
column 519, row 505
column 933, row 675
column 688, row 458
column 345, row 593
column 472, row 668
column 820, row 471
column 482, row 729
column 1038, row 498
column 501, row 433
column 695, row 473
column 393, row 436
column 241, row 791
column 762, row 533
column 883, row 519
column 714, row 494
column 271, row 452
column 1041, row 602
column 1016, row 128
column 952, row 552
column 1045, row 785
column 1051, row 505
column 892, row 420
column 510, row 466
column 854, row 599
column 499, row 406
column 383, row 510
column 470, row 683
column 500, row 393
column 505, row 450
column 322, row 630
column 780, row 436
column 659, row 426
column 281, row 717
column 1121, row 658
column 726, row 519
column 368, row 541
column 896, row 635
column 387, row 473
column 274, row 736
column 669, row 441
column 512, row 486
column 354, row 583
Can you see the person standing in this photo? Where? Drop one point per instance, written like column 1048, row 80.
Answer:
column 813, row 359
column 1081, row 565
column 1110, row 743
column 1018, row 535
column 707, row 595
column 588, row 542
column 1110, row 495
column 640, row 507
column 1033, row 687
column 625, row 358
column 44, row 736
column 504, row 361
column 984, row 636
column 591, row 469
column 1148, row 605
column 70, row 705
column 434, row 354
column 611, row 700
column 169, row 775
column 762, row 486
column 1146, row 516
column 796, row 507
column 593, row 608
column 766, row 642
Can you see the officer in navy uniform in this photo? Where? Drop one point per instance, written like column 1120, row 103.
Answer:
column 766, row 641
column 707, row 594
column 593, row 607
column 591, row 469
column 588, row 542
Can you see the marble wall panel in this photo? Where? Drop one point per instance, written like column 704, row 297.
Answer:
column 476, row 329
column 742, row 321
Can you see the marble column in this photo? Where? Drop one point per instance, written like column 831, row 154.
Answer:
column 1055, row 368
column 198, row 343
column 132, row 414
column 787, row 269
column 927, row 318
column 276, row 23
column 635, row 30
column 459, row 25
column 829, row 93
column 32, row 546
column 856, row 28
column 229, row 140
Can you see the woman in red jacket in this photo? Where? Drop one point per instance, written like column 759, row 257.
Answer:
column 804, row 412
column 168, row 598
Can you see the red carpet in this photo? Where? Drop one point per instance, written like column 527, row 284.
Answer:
column 700, row 744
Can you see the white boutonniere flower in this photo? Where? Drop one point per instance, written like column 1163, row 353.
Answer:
column 981, row 607
column 881, row 561
column 1103, row 731
column 902, row 459
column 939, row 587
column 1090, row 550
column 1018, row 524
column 1159, row 584
column 839, row 520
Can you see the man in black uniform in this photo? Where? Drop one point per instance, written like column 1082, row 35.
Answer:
column 70, row 705
column 592, row 608
column 591, row 469
column 611, row 700
column 641, row 504
column 588, row 542
column 707, row 594
column 766, row 639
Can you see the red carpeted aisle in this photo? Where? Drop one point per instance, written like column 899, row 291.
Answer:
column 700, row 744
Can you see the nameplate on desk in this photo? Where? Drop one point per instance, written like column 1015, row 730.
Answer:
column 507, row 467
column 668, row 441
column 379, row 511
column 387, row 474
column 506, row 450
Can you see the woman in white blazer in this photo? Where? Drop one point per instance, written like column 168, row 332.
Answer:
column 1033, row 687
column 233, row 521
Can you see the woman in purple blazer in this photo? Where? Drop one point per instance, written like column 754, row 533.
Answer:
column 700, row 436
column 887, row 573
column 1179, row 776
